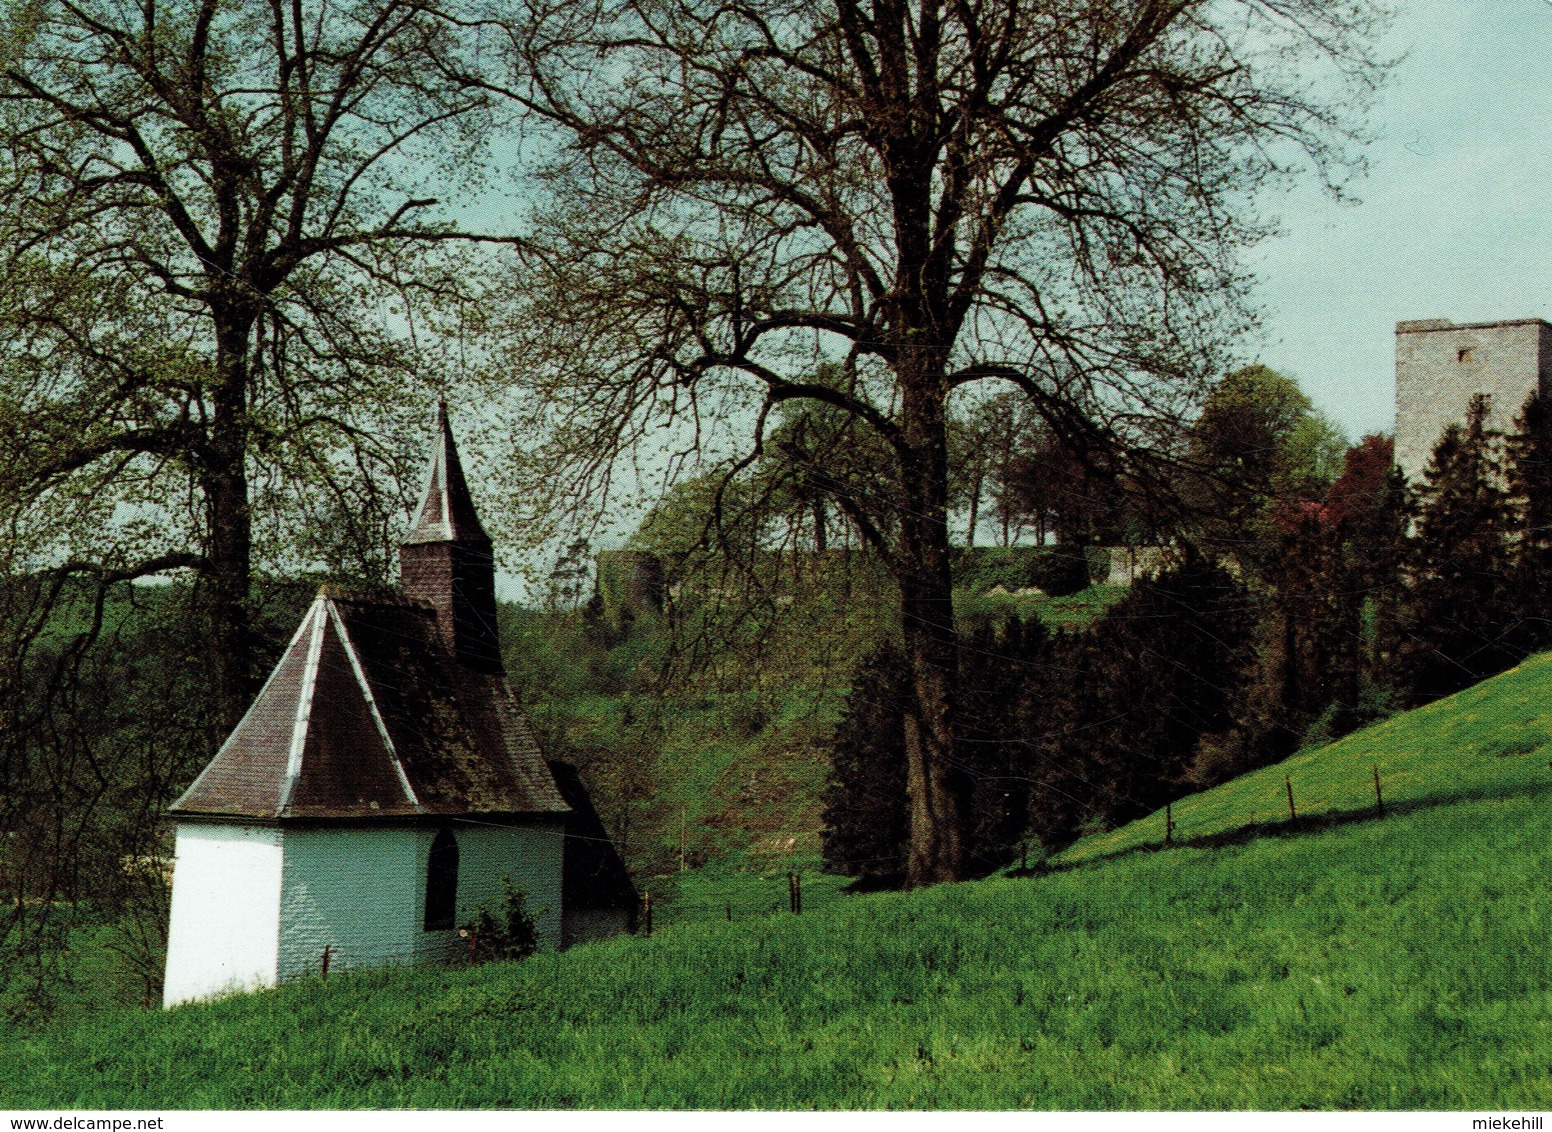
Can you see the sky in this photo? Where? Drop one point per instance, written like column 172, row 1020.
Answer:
column 1452, row 220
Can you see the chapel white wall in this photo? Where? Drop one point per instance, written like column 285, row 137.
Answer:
column 223, row 931
column 530, row 854
column 362, row 892
column 358, row 892
column 256, row 905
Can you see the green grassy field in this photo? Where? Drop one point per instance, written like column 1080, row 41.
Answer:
column 1073, row 611
column 1347, row 961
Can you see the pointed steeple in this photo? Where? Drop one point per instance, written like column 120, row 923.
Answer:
column 446, row 509
column 446, row 559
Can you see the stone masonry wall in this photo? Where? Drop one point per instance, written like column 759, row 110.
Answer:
column 459, row 580
column 1439, row 366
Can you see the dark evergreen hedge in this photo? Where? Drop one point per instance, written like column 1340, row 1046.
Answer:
column 1057, row 732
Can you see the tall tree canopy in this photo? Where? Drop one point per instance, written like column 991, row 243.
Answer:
column 217, row 222
column 935, row 194
column 219, row 249
column 1530, row 492
column 1461, row 621
column 1262, row 445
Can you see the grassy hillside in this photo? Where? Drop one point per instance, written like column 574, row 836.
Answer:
column 1347, row 962
column 1487, row 742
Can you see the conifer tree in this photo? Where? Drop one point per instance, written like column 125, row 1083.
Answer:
column 1173, row 657
column 1371, row 509
column 1530, row 495
column 1001, row 666
column 866, row 809
column 1057, row 732
column 1059, row 722
column 1115, row 732
column 1310, row 613
column 1330, row 561
column 1458, row 623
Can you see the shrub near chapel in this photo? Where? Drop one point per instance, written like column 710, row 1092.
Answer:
column 502, row 929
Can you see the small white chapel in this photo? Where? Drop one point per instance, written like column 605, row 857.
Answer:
column 382, row 784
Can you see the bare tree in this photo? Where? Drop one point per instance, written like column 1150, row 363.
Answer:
column 932, row 193
column 984, row 447
column 218, row 223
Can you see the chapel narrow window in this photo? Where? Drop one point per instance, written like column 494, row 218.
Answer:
column 442, row 881
column 1463, row 354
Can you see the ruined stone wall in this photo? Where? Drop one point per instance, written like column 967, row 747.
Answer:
column 1439, row 366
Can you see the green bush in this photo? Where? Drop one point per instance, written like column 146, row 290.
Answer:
column 1058, row 570
column 505, row 931
column 866, row 807
column 981, row 568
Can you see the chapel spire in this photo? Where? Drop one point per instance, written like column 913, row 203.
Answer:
column 446, row 559
column 446, row 511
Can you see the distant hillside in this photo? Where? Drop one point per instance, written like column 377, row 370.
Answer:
column 731, row 760
column 1344, row 961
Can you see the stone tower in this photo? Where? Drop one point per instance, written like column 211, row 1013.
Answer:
column 1440, row 365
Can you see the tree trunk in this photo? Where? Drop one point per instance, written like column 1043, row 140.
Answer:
column 229, row 576
column 975, row 514
column 820, row 538
column 937, row 789
column 226, row 602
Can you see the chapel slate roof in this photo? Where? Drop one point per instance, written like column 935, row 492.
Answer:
column 368, row 715
column 447, row 509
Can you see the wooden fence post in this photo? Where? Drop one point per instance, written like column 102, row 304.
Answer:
column 1379, row 800
column 646, row 913
column 327, row 949
column 1293, row 814
column 1169, row 823
column 730, row 911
